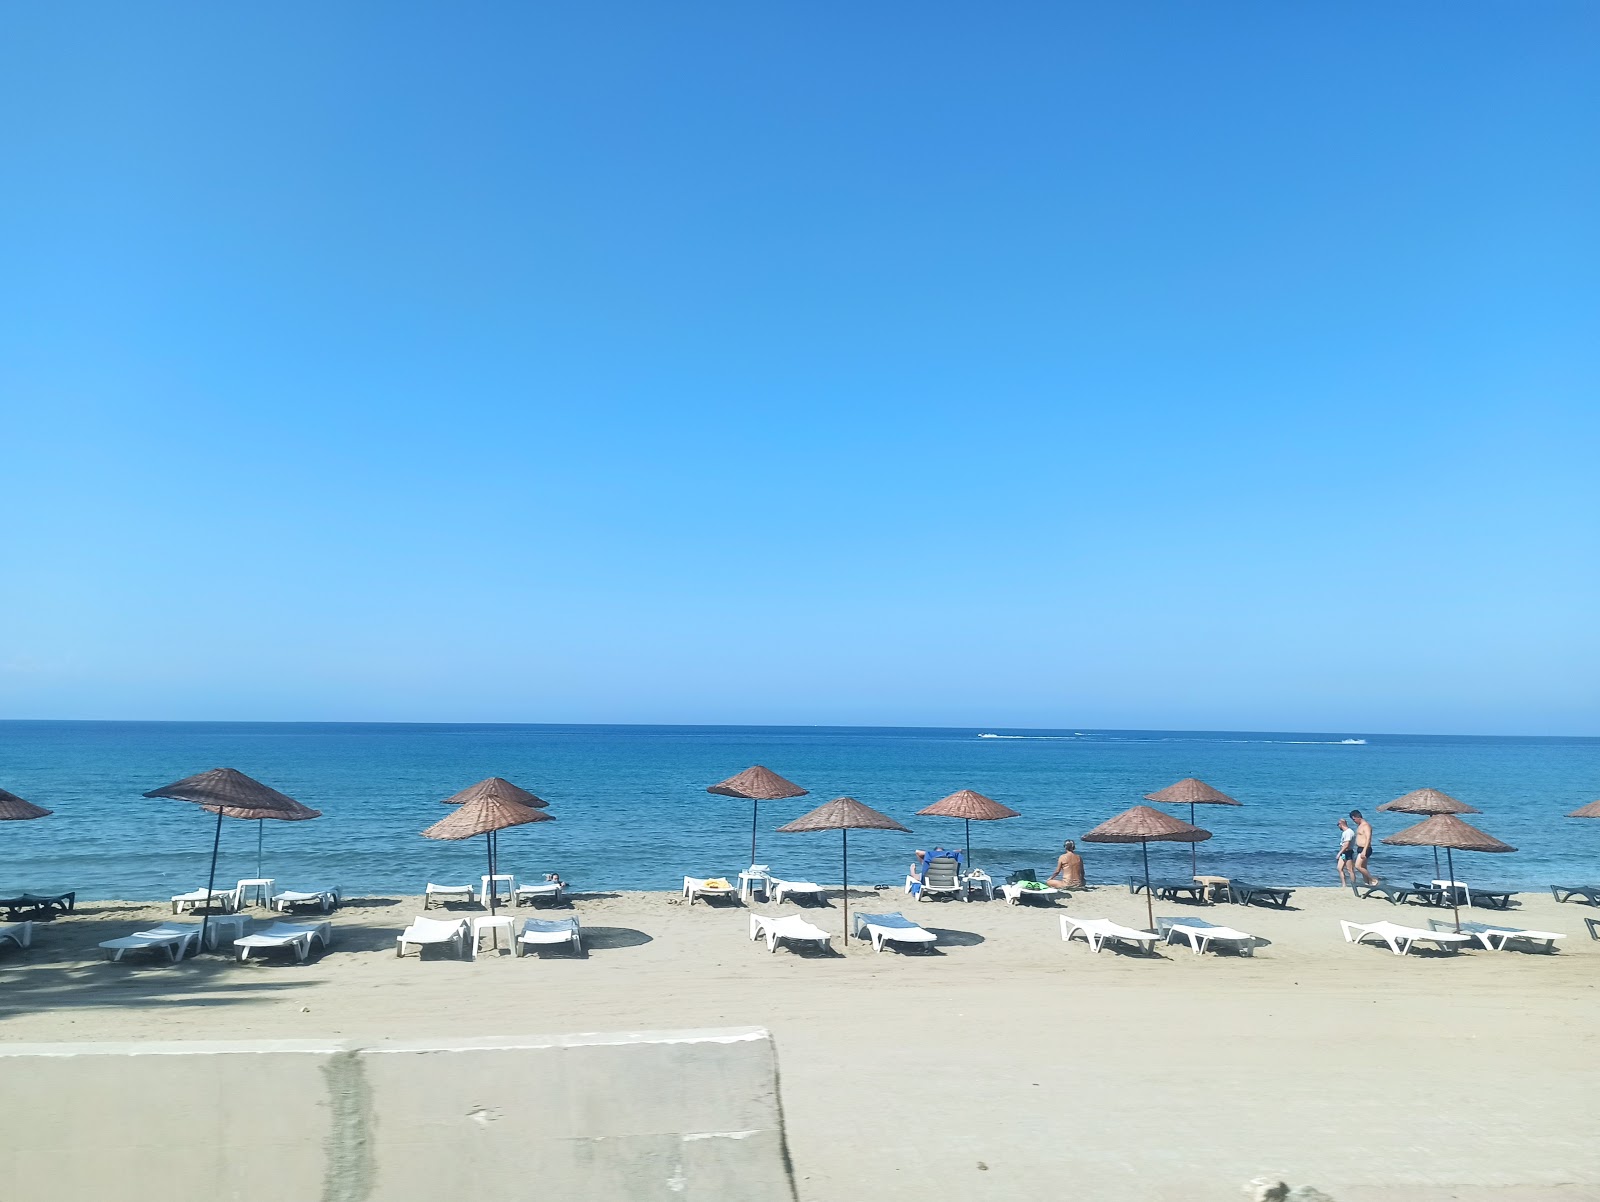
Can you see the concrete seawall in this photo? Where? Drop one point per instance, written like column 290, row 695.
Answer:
column 680, row 1116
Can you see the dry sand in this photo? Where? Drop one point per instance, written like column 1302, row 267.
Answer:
column 1008, row 1064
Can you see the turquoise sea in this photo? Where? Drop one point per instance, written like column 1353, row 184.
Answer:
column 632, row 811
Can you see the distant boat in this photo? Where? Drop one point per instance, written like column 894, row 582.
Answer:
column 1352, row 742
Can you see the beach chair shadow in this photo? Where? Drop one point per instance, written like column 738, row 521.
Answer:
column 608, row 939
column 949, row 938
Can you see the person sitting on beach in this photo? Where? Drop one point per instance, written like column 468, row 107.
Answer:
column 1069, row 868
column 1363, row 846
column 1344, row 861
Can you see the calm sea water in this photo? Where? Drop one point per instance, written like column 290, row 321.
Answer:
column 632, row 811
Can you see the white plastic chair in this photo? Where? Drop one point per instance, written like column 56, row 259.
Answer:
column 439, row 894
column 698, row 886
column 326, row 900
column 227, row 898
column 425, row 932
column 549, row 931
column 773, row 928
column 176, row 939
column 529, row 891
column 1400, row 939
column 780, row 889
column 890, row 928
column 297, row 937
column 1097, row 932
column 20, row 933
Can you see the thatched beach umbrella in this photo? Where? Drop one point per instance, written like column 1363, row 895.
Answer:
column 1145, row 826
column 843, row 814
column 300, row 813
column 486, row 814
column 14, row 809
column 756, row 785
column 1191, row 792
column 497, row 788
column 970, row 807
column 227, row 791
column 1452, row 834
column 1592, row 810
column 1425, row 802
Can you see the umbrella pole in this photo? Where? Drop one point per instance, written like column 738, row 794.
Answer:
column 211, row 883
column 1436, row 864
column 1455, row 903
column 968, row 821
column 489, row 847
column 755, row 809
column 846, row 833
column 1149, row 906
column 261, row 825
column 1194, row 848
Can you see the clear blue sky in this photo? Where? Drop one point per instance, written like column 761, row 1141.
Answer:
column 1159, row 365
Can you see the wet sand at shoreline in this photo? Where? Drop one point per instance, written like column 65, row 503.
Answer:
column 1006, row 1063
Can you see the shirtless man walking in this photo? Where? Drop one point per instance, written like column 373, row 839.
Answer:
column 1363, row 845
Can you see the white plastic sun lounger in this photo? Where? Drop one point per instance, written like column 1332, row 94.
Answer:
column 177, row 939
column 227, row 898
column 1201, row 935
column 20, row 933
column 778, row 890
column 1097, row 932
column 536, row 931
column 1015, row 894
column 1494, row 938
column 530, row 891
column 772, row 928
column 326, row 900
column 439, row 894
column 890, row 928
column 699, row 886
column 297, row 937
column 1398, row 938
column 424, row 932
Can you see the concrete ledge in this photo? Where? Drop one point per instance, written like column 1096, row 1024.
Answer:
column 636, row 1116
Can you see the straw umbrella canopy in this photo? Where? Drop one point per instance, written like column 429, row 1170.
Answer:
column 14, row 809
column 499, row 789
column 1144, row 826
column 1452, row 834
column 843, row 814
column 969, row 806
column 1192, row 792
column 1592, row 810
column 299, row 813
column 755, row 785
column 227, row 792
column 1428, row 801
column 486, row 814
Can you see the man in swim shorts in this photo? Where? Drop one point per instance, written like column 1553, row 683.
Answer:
column 1363, row 845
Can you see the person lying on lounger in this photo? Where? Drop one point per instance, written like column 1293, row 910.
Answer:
column 1069, row 868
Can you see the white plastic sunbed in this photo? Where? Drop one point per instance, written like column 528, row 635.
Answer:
column 1016, row 894
column 227, row 898
column 1494, row 938
column 424, row 932
column 777, row 889
column 297, row 937
column 527, row 892
column 174, row 938
column 890, row 928
column 1398, row 938
column 1097, row 932
column 439, row 894
column 543, row 931
column 772, row 928
column 1201, row 935
column 326, row 900
column 20, row 933
column 699, row 886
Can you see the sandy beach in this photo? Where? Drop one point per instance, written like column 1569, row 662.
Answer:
column 1007, row 1063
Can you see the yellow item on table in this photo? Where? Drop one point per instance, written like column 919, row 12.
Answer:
column 717, row 882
